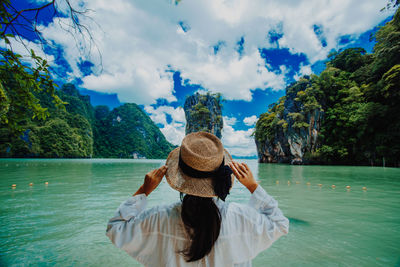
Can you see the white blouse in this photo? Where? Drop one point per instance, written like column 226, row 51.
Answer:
column 153, row 236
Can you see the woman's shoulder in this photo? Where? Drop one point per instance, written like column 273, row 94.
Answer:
column 237, row 219
column 163, row 211
column 241, row 212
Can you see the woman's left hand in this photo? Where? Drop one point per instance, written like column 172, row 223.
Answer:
column 152, row 180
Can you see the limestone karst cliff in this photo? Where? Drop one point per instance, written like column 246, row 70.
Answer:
column 291, row 129
column 348, row 114
column 203, row 113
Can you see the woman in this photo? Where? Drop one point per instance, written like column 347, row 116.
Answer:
column 202, row 229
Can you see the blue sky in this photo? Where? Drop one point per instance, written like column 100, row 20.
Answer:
column 155, row 54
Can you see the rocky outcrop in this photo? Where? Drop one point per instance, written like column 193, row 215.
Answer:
column 203, row 113
column 303, row 142
column 276, row 151
column 294, row 137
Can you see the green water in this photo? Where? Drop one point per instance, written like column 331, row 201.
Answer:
column 64, row 222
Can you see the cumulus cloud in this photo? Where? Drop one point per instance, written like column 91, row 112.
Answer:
column 142, row 42
column 173, row 131
column 230, row 121
column 250, row 121
column 239, row 143
column 304, row 70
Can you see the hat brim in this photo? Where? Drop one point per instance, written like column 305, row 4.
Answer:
column 202, row 187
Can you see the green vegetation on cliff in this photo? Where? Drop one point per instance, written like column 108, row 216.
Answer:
column 127, row 131
column 359, row 97
column 66, row 132
column 203, row 112
column 79, row 130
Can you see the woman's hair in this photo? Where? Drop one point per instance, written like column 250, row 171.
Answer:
column 202, row 221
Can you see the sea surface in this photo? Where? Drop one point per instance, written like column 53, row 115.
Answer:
column 63, row 223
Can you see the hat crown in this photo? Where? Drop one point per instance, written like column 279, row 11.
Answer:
column 202, row 151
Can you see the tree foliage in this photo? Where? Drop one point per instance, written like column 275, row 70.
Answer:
column 203, row 113
column 82, row 131
column 22, row 79
column 127, row 131
column 359, row 94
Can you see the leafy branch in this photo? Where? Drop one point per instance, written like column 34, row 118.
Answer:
column 22, row 82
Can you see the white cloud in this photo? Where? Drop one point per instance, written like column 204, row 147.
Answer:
column 173, row 131
column 141, row 40
column 229, row 120
column 304, row 70
column 234, row 77
column 250, row 121
column 239, row 143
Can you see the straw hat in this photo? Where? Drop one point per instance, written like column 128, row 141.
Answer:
column 201, row 154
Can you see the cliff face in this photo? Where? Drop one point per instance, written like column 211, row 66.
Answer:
column 292, row 131
column 203, row 113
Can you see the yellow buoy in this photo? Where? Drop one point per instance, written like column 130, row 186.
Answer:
column 297, row 182
column 308, row 183
column 277, row 182
column 348, row 187
column 333, row 186
column 364, row 188
column 319, row 185
column 46, row 183
column 30, row 184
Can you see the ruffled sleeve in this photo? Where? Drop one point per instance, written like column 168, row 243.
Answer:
column 127, row 229
column 256, row 226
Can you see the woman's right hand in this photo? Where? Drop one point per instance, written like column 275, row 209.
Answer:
column 152, row 180
column 244, row 175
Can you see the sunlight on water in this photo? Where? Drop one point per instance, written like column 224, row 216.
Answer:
column 63, row 223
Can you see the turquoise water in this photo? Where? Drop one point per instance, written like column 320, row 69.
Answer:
column 63, row 223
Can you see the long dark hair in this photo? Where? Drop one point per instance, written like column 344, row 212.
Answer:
column 202, row 221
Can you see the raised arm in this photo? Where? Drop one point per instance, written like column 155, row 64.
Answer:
column 270, row 224
column 129, row 228
column 263, row 222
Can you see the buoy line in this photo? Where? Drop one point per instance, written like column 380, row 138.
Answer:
column 13, row 186
column 348, row 187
